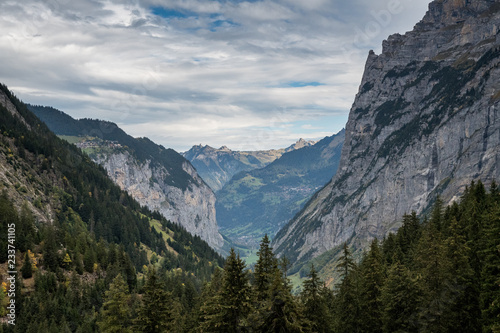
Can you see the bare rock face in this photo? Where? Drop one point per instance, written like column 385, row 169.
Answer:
column 425, row 122
column 193, row 207
column 7, row 103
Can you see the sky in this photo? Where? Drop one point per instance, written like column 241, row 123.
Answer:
column 249, row 75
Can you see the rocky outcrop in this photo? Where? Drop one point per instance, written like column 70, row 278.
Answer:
column 301, row 143
column 425, row 122
column 193, row 207
column 7, row 103
column 218, row 166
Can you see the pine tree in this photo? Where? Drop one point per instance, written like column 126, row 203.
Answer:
column 281, row 311
column 347, row 307
column 211, row 314
column 155, row 314
column 433, row 266
column 399, row 301
column 265, row 268
column 408, row 236
column 115, row 314
column 391, row 249
column 437, row 214
column 461, row 292
column 473, row 207
column 315, row 306
column 346, row 264
column 50, row 256
column 236, row 295
column 27, row 268
column 89, row 260
column 372, row 278
column 128, row 270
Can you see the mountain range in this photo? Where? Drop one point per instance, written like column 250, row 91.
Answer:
column 422, row 126
column 107, row 232
column 218, row 166
column 261, row 201
column 163, row 180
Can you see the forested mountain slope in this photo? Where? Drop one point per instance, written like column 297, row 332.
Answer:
column 156, row 177
column 439, row 274
column 75, row 230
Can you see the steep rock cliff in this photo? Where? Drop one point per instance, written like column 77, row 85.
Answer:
column 425, row 122
column 156, row 177
column 192, row 207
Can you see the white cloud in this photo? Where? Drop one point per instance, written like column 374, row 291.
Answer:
column 310, row 127
column 215, row 72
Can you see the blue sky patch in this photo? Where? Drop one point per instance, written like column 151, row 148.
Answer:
column 330, row 124
column 171, row 13
column 300, row 84
column 222, row 23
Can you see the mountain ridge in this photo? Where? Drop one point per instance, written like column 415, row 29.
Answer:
column 218, row 166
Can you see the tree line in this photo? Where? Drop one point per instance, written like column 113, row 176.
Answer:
column 439, row 274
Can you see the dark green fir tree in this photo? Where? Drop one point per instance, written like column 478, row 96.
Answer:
column 155, row 315
column 347, row 306
column 315, row 303
column 399, row 301
column 236, row 295
column 27, row 268
column 115, row 315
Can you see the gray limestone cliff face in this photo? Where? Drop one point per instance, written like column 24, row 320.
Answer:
column 193, row 208
column 425, row 122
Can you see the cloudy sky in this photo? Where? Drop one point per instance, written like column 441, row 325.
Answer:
column 246, row 74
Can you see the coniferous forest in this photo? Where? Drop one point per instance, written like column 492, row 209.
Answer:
column 441, row 274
